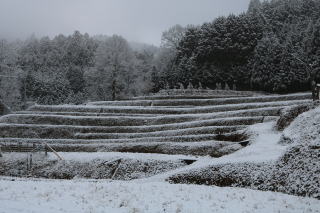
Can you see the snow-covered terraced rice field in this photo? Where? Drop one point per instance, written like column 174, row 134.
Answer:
column 147, row 141
column 210, row 125
column 152, row 111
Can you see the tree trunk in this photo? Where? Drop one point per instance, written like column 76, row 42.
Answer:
column 4, row 110
column 113, row 89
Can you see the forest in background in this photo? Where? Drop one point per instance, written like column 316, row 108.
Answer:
column 273, row 47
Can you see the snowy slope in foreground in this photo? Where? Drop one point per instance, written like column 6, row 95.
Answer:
column 102, row 196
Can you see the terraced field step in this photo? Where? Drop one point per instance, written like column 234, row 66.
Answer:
column 62, row 131
column 201, row 148
column 205, row 102
column 149, row 111
column 185, row 138
column 117, row 166
column 195, row 96
column 172, row 134
column 206, row 92
column 65, row 131
column 132, row 120
column 159, row 137
column 86, row 114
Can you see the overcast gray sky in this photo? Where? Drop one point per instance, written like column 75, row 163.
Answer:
column 136, row 20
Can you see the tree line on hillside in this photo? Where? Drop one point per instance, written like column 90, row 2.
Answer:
column 73, row 69
column 273, row 47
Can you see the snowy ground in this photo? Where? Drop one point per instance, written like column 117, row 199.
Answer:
column 154, row 195
column 103, row 196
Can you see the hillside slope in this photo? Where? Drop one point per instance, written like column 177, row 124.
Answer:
column 296, row 171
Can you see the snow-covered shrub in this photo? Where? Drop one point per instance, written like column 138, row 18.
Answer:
column 288, row 114
column 225, row 175
column 98, row 168
column 298, row 172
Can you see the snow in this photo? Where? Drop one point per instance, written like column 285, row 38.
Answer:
column 153, row 194
column 176, row 132
column 265, row 147
column 269, row 163
column 181, row 125
column 88, row 156
column 129, row 116
column 159, row 109
column 297, row 131
column 265, row 98
column 37, row 196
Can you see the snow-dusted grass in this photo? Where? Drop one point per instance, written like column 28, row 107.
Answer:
column 117, row 166
column 132, row 120
column 177, row 92
column 206, row 148
column 87, row 157
column 57, row 131
column 188, row 133
column 78, row 196
column 204, row 102
column 48, row 130
column 191, row 96
column 200, row 148
column 87, row 114
column 182, row 139
column 31, row 132
column 236, row 137
column 222, row 123
column 152, row 111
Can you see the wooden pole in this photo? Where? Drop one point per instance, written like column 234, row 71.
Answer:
column 30, row 164
column 109, row 162
column 27, row 162
column 116, row 170
column 60, row 158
